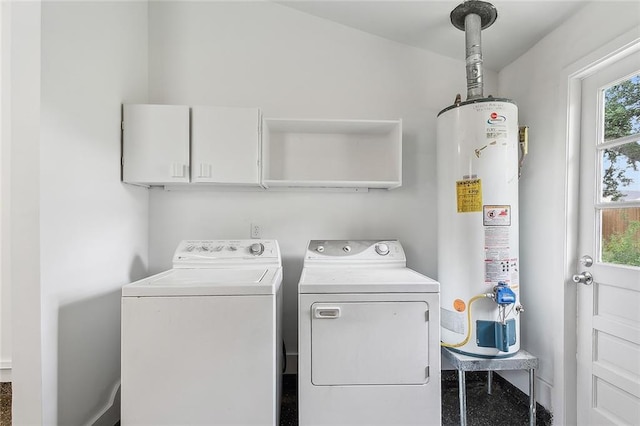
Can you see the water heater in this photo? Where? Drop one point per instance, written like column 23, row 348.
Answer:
column 478, row 168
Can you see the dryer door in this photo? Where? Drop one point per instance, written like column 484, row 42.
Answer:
column 369, row 343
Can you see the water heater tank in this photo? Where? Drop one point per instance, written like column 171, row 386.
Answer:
column 477, row 157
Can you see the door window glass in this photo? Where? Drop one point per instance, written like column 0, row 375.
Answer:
column 619, row 159
column 621, row 236
column 621, row 173
column 622, row 109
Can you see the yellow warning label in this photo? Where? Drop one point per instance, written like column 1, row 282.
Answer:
column 469, row 195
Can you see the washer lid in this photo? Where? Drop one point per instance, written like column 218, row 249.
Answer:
column 365, row 280
column 207, row 282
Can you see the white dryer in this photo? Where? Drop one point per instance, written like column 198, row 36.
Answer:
column 369, row 337
column 201, row 343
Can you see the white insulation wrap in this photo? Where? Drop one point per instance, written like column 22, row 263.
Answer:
column 477, row 157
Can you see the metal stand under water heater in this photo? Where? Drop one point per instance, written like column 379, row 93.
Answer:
column 477, row 157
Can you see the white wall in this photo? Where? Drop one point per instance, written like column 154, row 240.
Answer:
column 538, row 83
column 5, row 107
column 294, row 65
column 21, row 194
column 93, row 228
column 291, row 65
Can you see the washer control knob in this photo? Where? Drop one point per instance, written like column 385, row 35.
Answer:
column 320, row 249
column 346, row 249
column 256, row 249
column 382, row 249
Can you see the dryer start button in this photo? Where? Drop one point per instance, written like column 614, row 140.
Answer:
column 382, row 249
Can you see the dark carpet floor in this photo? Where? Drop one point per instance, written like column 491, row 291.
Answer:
column 506, row 406
column 5, row 404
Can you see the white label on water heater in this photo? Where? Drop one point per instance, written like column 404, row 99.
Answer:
column 454, row 321
column 496, row 238
column 498, row 270
column 497, row 215
column 499, row 253
column 497, row 256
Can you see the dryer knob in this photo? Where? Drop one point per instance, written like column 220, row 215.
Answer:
column 256, row 249
column 320, row 249
column 382, row 249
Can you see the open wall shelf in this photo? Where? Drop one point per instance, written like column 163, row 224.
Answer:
column 332, row 153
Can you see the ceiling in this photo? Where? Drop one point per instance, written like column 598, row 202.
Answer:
column 425, row 23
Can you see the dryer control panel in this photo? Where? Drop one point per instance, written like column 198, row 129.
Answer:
column 345, row 252
column 223, row 253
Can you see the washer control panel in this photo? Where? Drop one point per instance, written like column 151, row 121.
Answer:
column 357, row 251
column 212, row 253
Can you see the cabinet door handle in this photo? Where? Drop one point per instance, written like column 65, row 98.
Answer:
column 177, row 170
column 322, row 312
column 205, row 170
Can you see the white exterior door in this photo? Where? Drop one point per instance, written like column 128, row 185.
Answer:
column 608, row 356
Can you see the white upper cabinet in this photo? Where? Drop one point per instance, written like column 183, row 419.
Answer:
column 332, row 153
column 225, row 145
column 168, row 145
column 155, row 144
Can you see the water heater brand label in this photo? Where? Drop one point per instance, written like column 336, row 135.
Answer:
column 469, row 195
column 496, row 126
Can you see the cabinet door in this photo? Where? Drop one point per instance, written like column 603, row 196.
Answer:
column 225, row 145
column 155, row 144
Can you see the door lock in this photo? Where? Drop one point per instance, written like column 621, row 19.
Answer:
column 584, row 278
column 586, row 261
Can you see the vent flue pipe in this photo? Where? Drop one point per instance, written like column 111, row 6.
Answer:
column 472, row 17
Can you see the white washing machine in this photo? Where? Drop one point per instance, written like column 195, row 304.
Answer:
column 369, row 335
column 201, row 343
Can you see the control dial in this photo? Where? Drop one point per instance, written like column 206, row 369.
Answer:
column 320, row 249
column 382, row 249
column 256, row 249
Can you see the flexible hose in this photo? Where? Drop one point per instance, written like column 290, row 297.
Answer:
column 466, row 339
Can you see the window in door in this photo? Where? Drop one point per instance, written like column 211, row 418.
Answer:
column 619, row 157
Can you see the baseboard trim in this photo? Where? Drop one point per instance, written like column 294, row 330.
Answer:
column 292, row 364
column 5, row 371
column 109, row 415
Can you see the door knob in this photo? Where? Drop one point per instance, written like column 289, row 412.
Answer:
column 584, row 278
column 586, row 261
